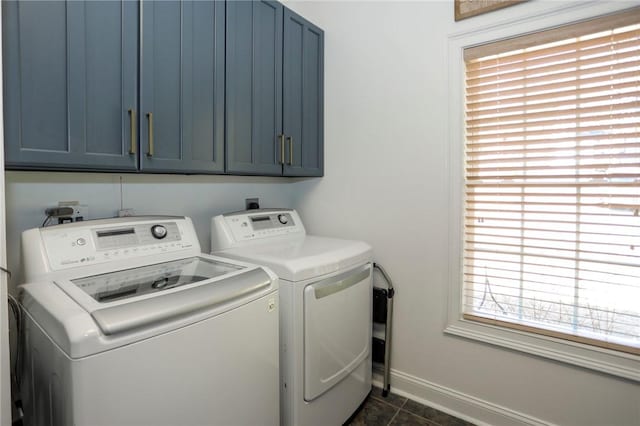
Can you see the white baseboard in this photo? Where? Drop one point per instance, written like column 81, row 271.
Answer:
column 458, row 404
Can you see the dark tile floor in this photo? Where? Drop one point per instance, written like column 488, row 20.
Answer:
column 395, row 410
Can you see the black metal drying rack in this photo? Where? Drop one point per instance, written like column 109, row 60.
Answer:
column 383, row 314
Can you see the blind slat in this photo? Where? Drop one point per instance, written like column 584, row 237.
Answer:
column 569, row 67
column 552, row 104
column 541, row 171
column 558, row 213
column 554, row 90
column 613, row 110
column 531, row 242
column 628, row 129
column 532, row 178
column 495, row 172
column 530, row 194
column 557, row 221
column 566, row 258
column 562, row 152
column 625, row 118
column 537, row 288
column 501, row 246
column 579, row 205
column 568, row 78
column 567, row 51
column 524, row 99
column 538, row 285
column 475, row 230
column 470, row 262
column 549, row 184
column 600, row 141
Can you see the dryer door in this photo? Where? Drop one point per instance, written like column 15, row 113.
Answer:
column 337, row 328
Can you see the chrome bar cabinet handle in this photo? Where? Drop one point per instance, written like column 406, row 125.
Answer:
column 132, row 130
column 150, row 118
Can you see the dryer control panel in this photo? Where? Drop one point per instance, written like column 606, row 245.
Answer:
column 251, row 225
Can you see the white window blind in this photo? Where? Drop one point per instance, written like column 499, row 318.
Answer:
column 552, row 182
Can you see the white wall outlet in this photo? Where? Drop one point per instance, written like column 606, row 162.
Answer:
column 80, row 211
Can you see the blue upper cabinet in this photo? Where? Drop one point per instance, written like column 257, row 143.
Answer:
column 70, row 84
column 254, row 88
column 171, row 86
column 303, row 99
column 182, row 87
column 274, row 91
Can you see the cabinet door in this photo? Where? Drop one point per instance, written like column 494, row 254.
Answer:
column 254, row 88
column 303, row 96
column 70, row 77
column 182, row 80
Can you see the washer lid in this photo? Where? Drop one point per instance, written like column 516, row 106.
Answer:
column 303, row 258
column 81, row 325
column 190, row 301
column 148, row 279
column 125, row 299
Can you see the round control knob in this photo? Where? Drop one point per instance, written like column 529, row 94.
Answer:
column 158, row 231
column 283, row 219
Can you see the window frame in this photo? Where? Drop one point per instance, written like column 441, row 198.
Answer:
column 542, row 17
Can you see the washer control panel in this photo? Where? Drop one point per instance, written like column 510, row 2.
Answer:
column 69, row 247
column 263, row 224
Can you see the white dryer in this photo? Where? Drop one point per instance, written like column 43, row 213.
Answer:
column 325, row 310
column 127, row 323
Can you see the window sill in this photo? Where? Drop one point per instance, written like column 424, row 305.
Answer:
column 617, row 364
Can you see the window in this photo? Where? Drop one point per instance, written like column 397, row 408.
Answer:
column 552, row 183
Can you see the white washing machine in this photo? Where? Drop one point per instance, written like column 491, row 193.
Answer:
column 127, row 323
column 325, row 310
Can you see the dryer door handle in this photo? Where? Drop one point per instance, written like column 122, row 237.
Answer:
column 341, row 282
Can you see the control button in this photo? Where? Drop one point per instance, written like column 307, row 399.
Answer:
column 283, row 219
column 158, row 231
column 81, row 241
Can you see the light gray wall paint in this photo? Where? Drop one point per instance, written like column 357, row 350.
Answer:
column 199, row 197
column 386, row 182
column 5, row 373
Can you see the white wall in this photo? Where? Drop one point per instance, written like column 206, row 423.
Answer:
column 386, row 182
column 200, row 197
column 5, row 380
